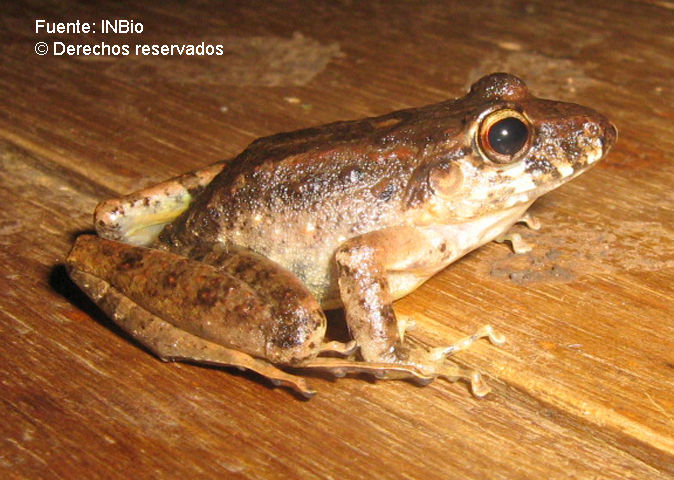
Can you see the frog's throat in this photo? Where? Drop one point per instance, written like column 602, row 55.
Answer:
column 457, row 240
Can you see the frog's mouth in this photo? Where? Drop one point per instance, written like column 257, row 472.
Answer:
column 534, row 177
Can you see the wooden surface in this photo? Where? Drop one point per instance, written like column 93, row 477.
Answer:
column 582, row 389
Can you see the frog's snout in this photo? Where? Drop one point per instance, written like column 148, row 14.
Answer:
column 600, row 132
column 610, row 136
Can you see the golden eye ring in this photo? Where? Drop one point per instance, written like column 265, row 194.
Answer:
column 504, row 136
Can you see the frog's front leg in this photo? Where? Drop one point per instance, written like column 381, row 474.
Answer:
column 375, row 268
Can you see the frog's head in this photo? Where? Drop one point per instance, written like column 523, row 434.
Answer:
column 516, row 147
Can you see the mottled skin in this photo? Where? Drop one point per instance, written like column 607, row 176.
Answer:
column 352, row 214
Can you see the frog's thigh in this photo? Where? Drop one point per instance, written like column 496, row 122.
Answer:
column 138, row 218
column 364, row 264
column 298, row 324
column 173, row 344
column 201, row 299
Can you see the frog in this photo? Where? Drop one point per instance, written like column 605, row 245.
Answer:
column 235, row 264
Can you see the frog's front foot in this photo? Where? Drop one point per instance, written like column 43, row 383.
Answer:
column 367, row 265
column 518, row 244
column 530, row 221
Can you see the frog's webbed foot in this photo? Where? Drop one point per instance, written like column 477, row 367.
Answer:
column 484, row 332
column 422, row 366
column 339, row 348
column 437, row 359
column 173, row 344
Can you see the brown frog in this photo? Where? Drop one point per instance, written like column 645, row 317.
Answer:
column 234, row 264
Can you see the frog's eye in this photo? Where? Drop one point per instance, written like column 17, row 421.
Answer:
column 504, row 135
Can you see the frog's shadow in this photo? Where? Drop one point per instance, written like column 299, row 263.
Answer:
column 60, row 282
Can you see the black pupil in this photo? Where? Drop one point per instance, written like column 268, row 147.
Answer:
column 508, row 136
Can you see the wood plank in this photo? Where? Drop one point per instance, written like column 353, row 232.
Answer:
column 584, row 387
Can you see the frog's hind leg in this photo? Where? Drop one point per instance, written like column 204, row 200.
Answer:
column 138, row 218
column 173, row 344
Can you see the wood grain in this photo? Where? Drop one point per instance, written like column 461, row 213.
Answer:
column 584, row 387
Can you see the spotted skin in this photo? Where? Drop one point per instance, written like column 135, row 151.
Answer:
column 351, row 214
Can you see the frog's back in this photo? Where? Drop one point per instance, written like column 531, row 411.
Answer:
column 321, row 184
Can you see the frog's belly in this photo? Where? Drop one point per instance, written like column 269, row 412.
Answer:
column 315, row 265
column 316, row 268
